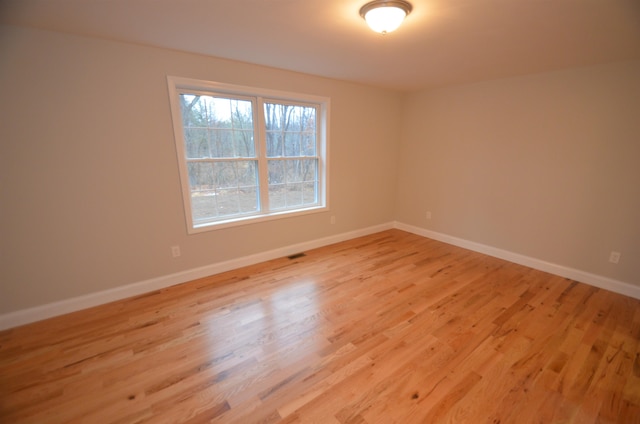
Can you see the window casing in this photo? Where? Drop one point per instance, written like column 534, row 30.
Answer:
column 247, row 154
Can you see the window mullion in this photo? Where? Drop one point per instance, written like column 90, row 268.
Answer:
column 263, row 168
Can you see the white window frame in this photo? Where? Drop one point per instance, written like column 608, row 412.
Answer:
column 179, row 85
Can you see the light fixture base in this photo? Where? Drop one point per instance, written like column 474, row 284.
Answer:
column 400, row 4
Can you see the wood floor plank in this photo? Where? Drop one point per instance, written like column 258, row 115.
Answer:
column 386, row 328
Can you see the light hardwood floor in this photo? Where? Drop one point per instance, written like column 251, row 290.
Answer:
column 388, row 328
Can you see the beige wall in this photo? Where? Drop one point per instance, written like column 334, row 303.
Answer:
column 90, row 189
column 546, row 166
column 543, row 165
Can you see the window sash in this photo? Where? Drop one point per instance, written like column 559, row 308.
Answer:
column 295, row 192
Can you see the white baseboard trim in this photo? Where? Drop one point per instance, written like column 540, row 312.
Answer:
column 616, row 286
column 37, row 313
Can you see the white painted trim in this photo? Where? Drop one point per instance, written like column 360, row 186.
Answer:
column 616, row 286
column 26, row 316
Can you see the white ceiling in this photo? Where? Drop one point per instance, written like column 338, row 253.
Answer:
column 442, row 42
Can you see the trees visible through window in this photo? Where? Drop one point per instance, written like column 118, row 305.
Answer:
column 248, row 154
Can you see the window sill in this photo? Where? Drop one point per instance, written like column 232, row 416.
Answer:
column 254, row 219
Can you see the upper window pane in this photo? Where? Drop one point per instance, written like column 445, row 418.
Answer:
column 290, row 130
column 216, row 127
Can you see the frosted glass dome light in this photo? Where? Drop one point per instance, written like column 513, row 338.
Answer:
column 385, row 16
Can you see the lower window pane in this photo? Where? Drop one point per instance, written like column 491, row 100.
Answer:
column 293, row 183
column 201, row 176
column 310, row 193
column 287, row 196
column 223, row 189
column 228, row 202
column 294, row 195
column 276, row 172
column 277, row 196
column 248, row 199
column 203, row 205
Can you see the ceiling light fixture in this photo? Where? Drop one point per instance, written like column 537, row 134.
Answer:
column 384, row 16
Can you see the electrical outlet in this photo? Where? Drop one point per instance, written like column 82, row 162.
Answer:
column 333, row 219
column 428, row 215
column 175, row 251
column 614, row 257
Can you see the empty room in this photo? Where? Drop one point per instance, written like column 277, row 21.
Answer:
column 320, row 211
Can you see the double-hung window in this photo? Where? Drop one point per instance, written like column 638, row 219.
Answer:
column 248, row 154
